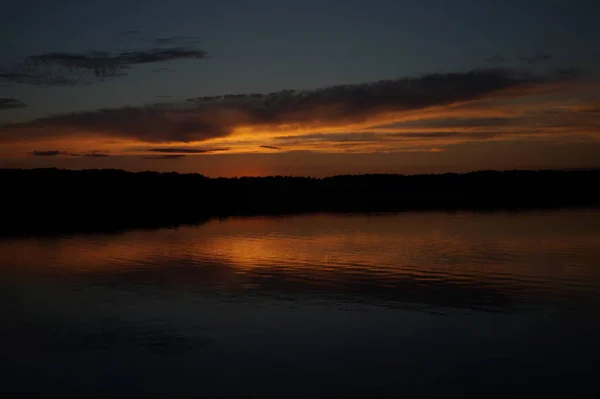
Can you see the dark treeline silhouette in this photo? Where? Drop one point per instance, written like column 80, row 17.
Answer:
column 56, row 200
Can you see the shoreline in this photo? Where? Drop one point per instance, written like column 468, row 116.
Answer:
column 58, row 201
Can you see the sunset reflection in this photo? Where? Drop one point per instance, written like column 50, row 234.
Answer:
column 490, row 256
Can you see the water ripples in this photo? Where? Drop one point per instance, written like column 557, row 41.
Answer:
column 438, row 260
column 423, row 301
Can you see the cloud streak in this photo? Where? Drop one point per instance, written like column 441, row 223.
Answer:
column 55, row 153
column 206, row 118
column 51, row 153
column 70, row 68
column 166, row 157
column 426, row 113
column 11, row 103
column 94, row 155
column 539, row 56
column 186, row 150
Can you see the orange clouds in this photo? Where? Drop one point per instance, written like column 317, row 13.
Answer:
column 424, row 114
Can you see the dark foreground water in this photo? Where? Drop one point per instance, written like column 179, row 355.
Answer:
column 416, row 304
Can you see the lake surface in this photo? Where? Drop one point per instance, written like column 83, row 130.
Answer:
column 471, row 304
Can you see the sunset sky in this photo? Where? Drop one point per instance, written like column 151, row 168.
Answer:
column 261, row 87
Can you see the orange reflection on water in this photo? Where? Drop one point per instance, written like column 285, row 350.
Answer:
column 491, row 257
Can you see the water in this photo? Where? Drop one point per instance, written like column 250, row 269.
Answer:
column 470, row 304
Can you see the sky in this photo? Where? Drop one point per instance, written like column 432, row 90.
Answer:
column 313, row 88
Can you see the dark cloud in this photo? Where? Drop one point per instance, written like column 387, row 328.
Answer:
column 11, row 103
column 270, row 147
column 496, row 59
column 454, row 122
column 104, row 64
column 51, row 153
column 539, row 56
column 368, row 137
column 568, row 73
column 330, row 137
column 187, row 150
column 94, row 154
column 166, row 157
column 583, row 118
column 441, row 135
column 62, row 68
column 130, row 32
column 23, row 74
column 206, row 118
column 164, row 96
